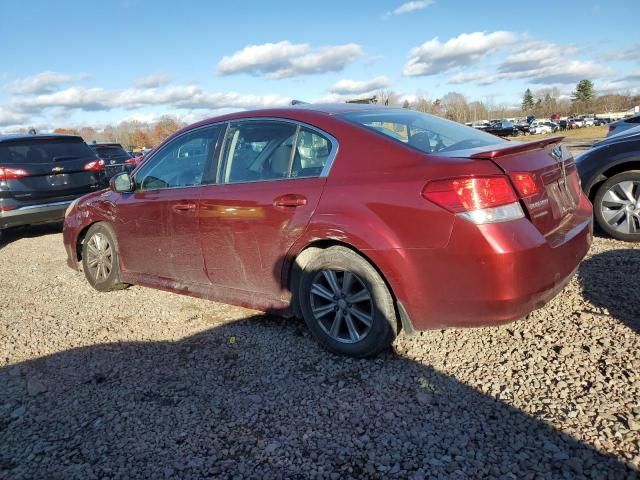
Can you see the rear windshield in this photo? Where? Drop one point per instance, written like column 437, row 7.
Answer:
column 111, row 152
column 427, row 133
column 33, row 151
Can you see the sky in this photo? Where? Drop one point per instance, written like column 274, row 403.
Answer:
column 76, row 63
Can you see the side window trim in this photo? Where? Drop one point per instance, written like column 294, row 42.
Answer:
column 170, row 144
column 222, row 162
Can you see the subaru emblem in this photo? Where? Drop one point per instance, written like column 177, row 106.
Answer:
column 556, row 153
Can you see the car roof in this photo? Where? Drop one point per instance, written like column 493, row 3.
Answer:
column 13, row 137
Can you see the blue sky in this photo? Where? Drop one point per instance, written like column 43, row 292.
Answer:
column 71, row 63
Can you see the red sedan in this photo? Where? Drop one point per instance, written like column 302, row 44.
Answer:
column 362, row 220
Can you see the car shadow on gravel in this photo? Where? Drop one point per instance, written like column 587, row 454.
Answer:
column 259, row 399
column 13, row 234
column 610, row 280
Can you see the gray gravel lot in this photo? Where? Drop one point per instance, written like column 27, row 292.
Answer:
column 145, row 384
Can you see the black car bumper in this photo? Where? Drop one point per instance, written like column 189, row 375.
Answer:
column 34, row 214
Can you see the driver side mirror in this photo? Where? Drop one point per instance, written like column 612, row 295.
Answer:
column 121, row 183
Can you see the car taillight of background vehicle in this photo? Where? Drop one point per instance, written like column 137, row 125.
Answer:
column 131, row 161
column 95, row 166
column 478, row 199
column 12, row 173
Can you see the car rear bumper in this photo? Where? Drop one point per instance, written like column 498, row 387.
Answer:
column 33, row 214
column 490, row 274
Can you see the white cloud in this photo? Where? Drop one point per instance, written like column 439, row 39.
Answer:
column 346, row 86
column 284, row 59
column 153, row 80
column 409, row 7
column 434, row 57
column 468, row 77
column 9, row 117
column 43, row 82
column 548, row 63
column 627, row 83
column 191, row 97
column 629, row 54
column 539, row 62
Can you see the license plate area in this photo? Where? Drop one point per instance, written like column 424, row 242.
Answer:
column 562, row 200
column 58, row 180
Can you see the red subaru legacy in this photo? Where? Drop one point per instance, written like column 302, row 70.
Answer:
column 362, row 220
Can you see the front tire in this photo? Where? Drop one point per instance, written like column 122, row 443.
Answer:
column 617, row 206
column 346, row 303
column 100, row 261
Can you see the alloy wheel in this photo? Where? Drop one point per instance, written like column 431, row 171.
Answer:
column 342, row 305
column 620, row 207
column 99, row 257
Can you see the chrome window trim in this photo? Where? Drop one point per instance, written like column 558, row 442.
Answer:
column 335, row 146
column 157, row 151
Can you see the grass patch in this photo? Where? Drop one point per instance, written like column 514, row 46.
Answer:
column 587, row 133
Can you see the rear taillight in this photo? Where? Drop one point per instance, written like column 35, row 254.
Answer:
column 12, row 173
column 6, row 209
column 612, row 128
column 95, row 166
column 131, row 161
column 525, row 184
column 479, row 199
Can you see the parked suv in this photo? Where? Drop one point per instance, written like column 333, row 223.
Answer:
column 40, row 175
column 116, row 159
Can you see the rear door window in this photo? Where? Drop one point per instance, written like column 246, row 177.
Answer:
column 258, row 150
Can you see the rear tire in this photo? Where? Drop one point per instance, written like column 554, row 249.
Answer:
column 346, row 303
column 100, row 260
column 617, row 206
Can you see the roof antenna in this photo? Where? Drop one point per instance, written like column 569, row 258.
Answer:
column 298, row 102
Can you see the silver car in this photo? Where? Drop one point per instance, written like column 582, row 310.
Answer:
column 624, row 124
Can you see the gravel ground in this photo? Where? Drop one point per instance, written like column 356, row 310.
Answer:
column 146, row 384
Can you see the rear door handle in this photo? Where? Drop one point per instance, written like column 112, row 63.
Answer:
column 184, row 207
column 290, row 200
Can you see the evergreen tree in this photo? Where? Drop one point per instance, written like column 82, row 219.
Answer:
column 527, row 101
column 583, row 92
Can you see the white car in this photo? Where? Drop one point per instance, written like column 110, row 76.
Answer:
column 578, row 122
column 588, row 121
column 538, row 127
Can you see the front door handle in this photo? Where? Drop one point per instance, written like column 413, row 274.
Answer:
column 290, row 200
column 184, row 207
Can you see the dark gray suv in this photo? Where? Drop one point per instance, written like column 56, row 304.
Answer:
column 40, row 175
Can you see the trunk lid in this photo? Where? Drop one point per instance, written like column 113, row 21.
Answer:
column 553, row 169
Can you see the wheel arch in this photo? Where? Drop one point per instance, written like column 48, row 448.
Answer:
column 303, row 255
column 608, row 172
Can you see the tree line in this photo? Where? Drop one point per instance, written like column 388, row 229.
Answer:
column 129, row 134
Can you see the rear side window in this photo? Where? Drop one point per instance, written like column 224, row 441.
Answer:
column 311, row 154
column 635, row 119
column 423, row 132
column 34, row 151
